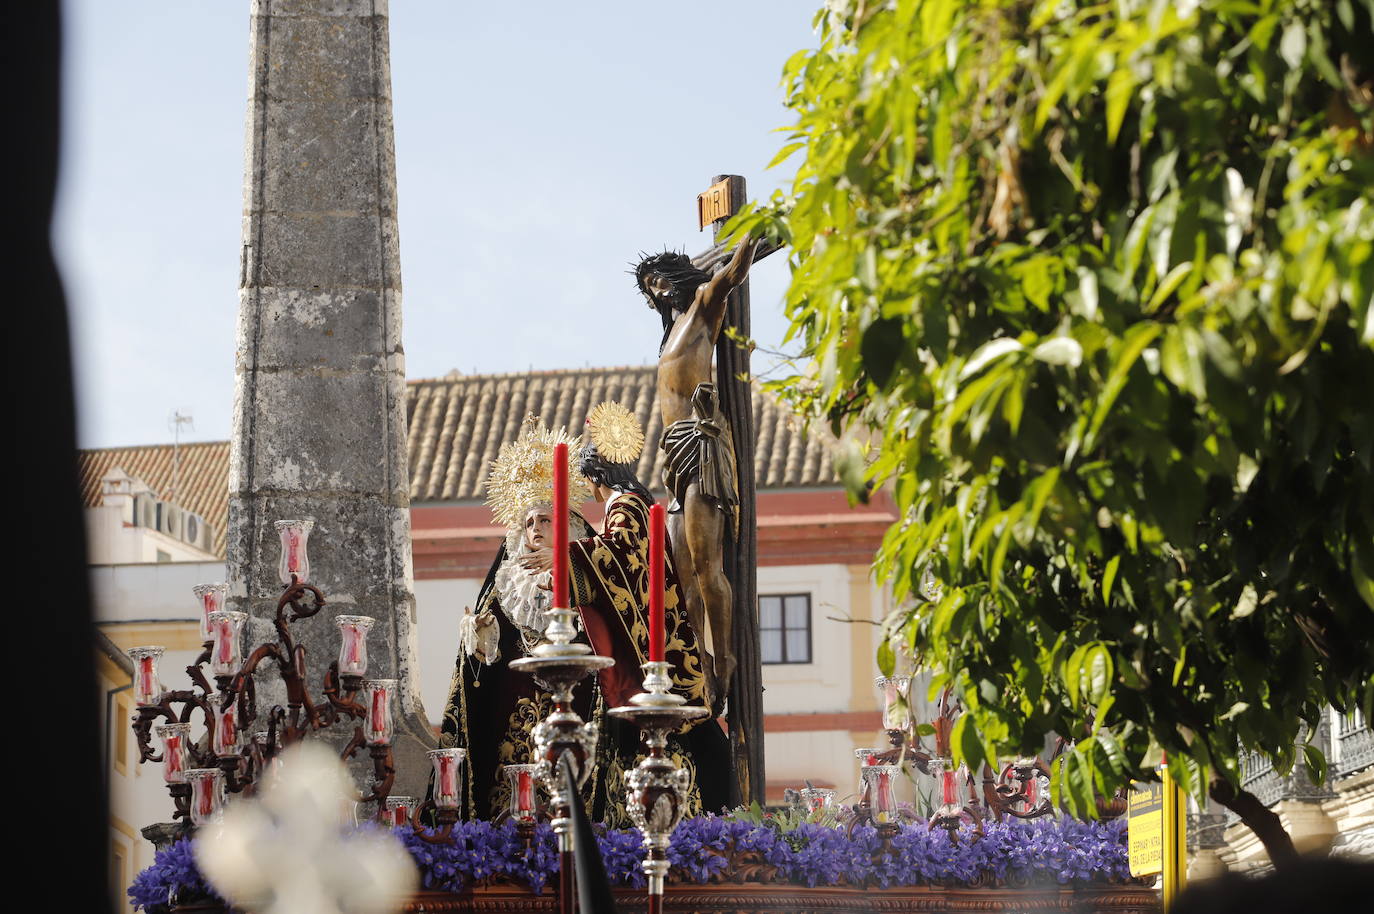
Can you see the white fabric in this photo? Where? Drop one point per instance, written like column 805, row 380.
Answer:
column 480, row 638
column 522, row 599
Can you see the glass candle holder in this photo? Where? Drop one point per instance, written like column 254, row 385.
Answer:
column 878, row 781
column 448, row 787
column 295, row 560
column 175, row 754
column 224, row 739
column 353, row 644
column 226, row 642
column 1027, row 779
column 211, row 599
column 147, row 682
column 378, row 726
column 207, row 795
column 819, row 801
column 398, row 811
column 948, row 778
column 867, row 756
column 522, row 780
column 896, row 705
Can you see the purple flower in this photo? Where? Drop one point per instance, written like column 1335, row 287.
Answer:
column 1044, row 850
column 172, row 872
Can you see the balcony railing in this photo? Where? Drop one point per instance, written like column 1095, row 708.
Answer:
column 1354, row 745
column 1269, row 787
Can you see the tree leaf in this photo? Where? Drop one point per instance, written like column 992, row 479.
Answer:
column 1109, row 578
column 883, row 342
column 1096, row 676
column 1135, row 341
column 1247, row 603
column 988, row 353
column 1060, row 350
column 964, row 739
column 1120, row 88
column 887, row 660
column 1293, row 44
column 1315, row 761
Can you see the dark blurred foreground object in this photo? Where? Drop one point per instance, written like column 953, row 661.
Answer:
column 593, row 884
column 1312, row 884
column 51, row 597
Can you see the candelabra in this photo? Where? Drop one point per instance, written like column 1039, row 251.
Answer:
column 879, row 767
column 1019, row 789
column 558, row 665
column 200, row 773
column 657, row 789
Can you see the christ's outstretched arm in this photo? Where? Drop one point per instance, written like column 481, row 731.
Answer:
column 716, row 292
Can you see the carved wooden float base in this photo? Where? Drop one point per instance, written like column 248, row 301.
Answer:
column 794, row 899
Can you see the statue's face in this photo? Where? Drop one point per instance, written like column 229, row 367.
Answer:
column 660, row 290
column 538, row 528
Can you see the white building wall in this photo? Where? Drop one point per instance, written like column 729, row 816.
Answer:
column 150, row 591
column 111, row 541
column 826, row 683
column 439, row 606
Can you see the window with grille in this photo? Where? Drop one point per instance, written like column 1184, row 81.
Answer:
column 785, row 628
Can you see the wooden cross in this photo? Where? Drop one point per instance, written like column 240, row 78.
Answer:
column 733, row 379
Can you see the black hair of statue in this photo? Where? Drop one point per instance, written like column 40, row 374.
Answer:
column 684, row 276
column 617, row 476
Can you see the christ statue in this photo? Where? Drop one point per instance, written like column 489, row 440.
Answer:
column 700, row 471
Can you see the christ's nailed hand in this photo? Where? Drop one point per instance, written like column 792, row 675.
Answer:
column 538, row 560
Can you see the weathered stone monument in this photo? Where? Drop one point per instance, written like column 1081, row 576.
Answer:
column 319, row 412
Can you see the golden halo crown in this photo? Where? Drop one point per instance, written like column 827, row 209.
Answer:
column 615, row 432
column 522, row 473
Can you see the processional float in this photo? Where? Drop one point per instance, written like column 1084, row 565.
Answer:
column 201, row 773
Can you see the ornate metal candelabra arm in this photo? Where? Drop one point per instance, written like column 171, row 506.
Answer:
column 657, row 788
column 1017, row 790
column 339, row 692
column 445, row 819
column 292, row 596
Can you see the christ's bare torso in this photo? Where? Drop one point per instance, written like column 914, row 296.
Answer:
column 685, row 361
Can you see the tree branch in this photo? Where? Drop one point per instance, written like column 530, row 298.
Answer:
column 1260, row 819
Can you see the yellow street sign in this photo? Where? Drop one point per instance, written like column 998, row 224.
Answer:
column 1156, row 834
column 1145, row 830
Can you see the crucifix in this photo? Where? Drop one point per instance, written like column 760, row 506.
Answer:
column 705, row 398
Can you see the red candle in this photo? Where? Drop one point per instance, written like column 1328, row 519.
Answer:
column 656, row 585
column 560, row 526
column 525, row 794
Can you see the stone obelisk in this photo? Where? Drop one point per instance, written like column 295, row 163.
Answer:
column 319, row 403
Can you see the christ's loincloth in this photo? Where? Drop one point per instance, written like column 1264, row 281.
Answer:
column 698, row 450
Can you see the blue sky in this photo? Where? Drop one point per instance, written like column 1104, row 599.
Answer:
column 539, row 147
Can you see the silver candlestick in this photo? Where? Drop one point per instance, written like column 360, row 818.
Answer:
column 657, row 789
column 558, row 665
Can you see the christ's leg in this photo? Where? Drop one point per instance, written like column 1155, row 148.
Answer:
column 691, row 592
column 704, row 528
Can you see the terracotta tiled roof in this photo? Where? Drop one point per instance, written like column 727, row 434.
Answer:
column 457, row 424
column 203, row 477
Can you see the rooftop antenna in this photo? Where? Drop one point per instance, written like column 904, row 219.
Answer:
column 175, row 422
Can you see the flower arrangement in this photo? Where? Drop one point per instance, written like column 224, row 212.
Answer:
column 173, row 877
column 712, row 849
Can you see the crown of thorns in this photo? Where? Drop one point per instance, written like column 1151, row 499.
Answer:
column 674, row 266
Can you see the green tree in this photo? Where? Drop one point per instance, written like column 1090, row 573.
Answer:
column 1088, row 285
